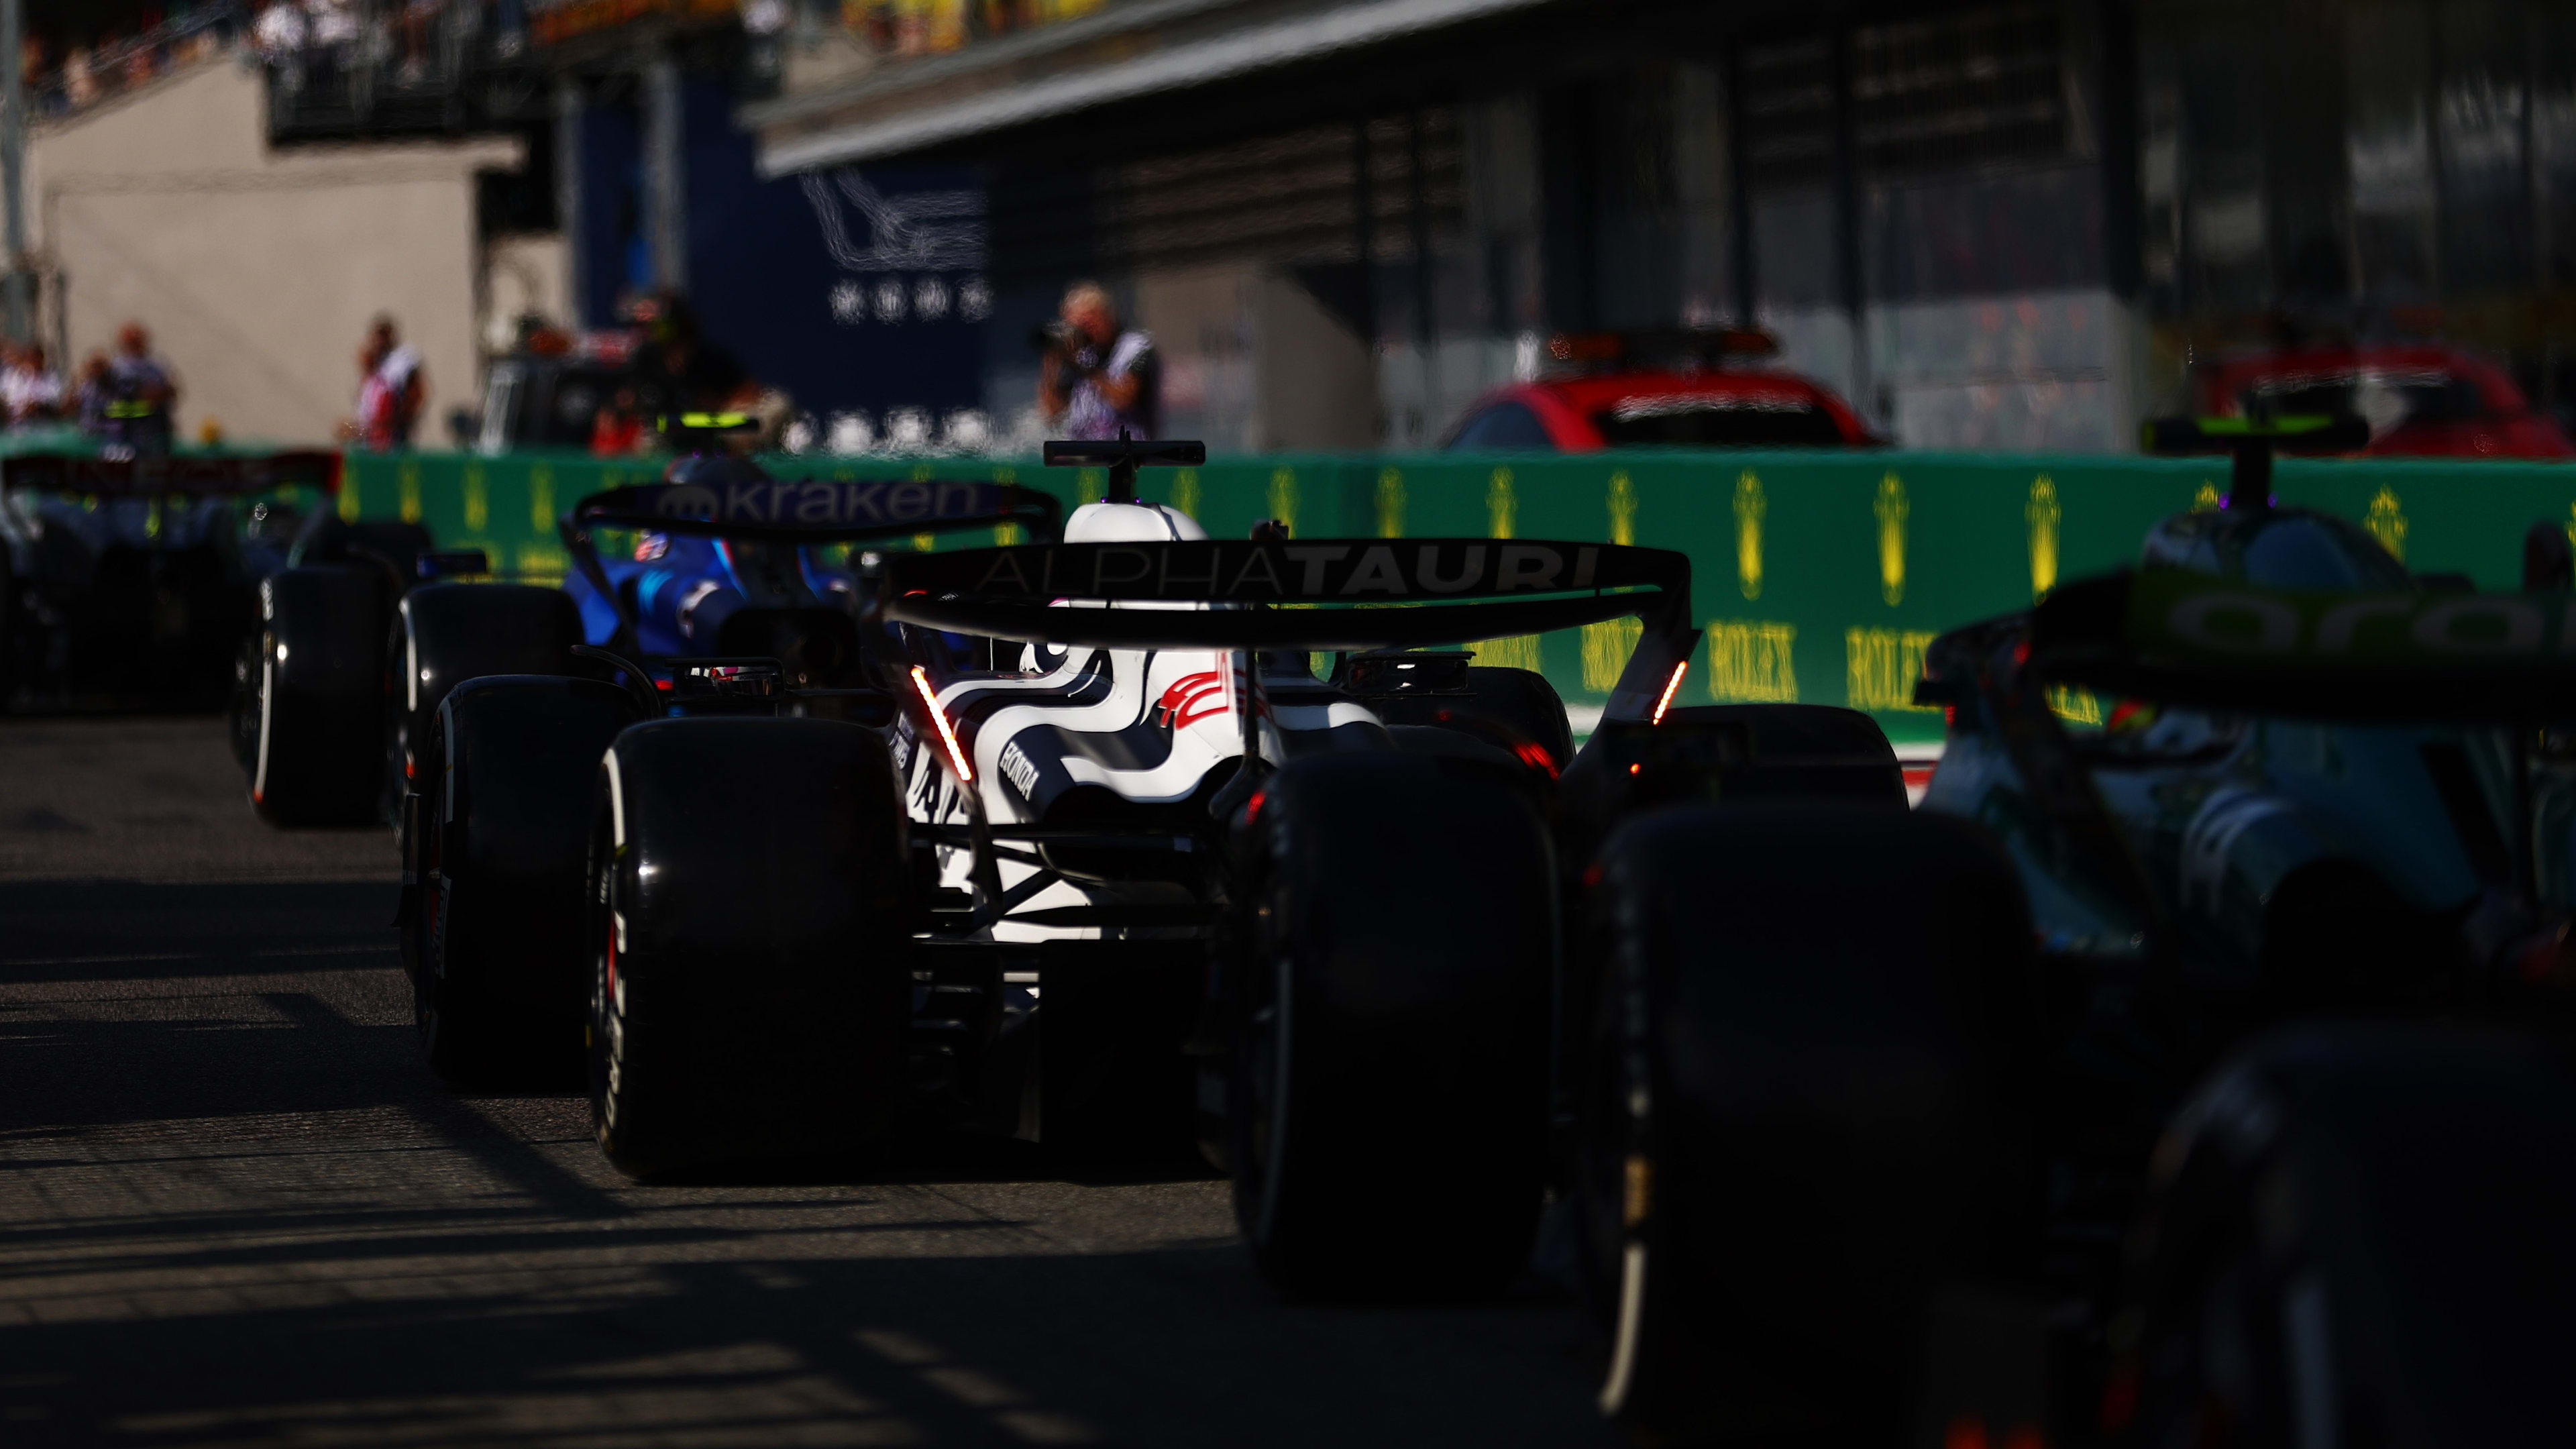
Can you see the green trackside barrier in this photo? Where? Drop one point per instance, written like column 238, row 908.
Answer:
column 1818, row 577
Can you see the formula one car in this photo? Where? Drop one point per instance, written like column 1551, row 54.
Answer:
column 2030, row 1171
column 133, row 580
column 1079, row 782
column 732, row 601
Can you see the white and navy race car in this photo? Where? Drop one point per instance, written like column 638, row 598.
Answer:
column 1090, row 841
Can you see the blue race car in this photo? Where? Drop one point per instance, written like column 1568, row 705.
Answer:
column 356, row 710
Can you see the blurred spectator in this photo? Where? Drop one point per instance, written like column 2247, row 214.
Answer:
column 618, row 428
column 416, row 15
column 137, row 374
column 31, row 391
column 1098, row 374
column 677, row 370
column 406, row 381
column 92, row 396
column 280, row 32
column 78, row 85
column 393, row 387
column 334, row 24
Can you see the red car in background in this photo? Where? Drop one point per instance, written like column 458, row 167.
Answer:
column 2422, row 400
column 1669, row 389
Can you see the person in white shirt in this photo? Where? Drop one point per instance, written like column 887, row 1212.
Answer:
column 31, row 391
column 404, row 382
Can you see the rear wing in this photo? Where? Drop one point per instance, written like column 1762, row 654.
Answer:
column 814, row 510
column 2180, row 637
column 181, row 474
column 1315, row 594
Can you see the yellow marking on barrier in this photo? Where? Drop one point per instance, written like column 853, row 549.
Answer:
column 1390, row 503
column 2206, row 500
column 1753, row 661
column 923, row 542
column 1750, row 507
column 923, row 472
column 1086, row 484
column 152, row 518
column 2043, row 514
column 2387, row 523
column 1283, row 498
column 541, row 497
column 2075, row 706
column 1891, row 509
column 407, row 480
column 1606, row 647
column 1520, row 651
column 1622, row 502
column 478, row 498
column 1503, row 510
column 1005, row 535
column 1882, row 666
column 1185, row 491
column 540, row 564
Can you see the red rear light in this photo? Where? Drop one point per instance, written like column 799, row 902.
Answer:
column 1672, row 687
column 947, row 736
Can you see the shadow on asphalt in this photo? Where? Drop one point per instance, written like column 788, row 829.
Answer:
column 243, row 1211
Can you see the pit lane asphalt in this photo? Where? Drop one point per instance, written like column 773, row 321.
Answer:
column 235, row 1209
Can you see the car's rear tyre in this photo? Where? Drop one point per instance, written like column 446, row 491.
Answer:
column 496, row 841
column 1516, row 710
column 316, row 744
column 747, row 929
column 1802, row 1110
column 2357, row 1235
column 1388, row 1059
column 445, row 634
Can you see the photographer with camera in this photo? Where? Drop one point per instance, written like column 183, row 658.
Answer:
column 1097, row 376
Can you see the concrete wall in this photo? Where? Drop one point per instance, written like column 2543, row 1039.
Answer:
column 256, row 269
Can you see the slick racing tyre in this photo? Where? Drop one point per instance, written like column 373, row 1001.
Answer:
column 1801, row 1110
column 2357, row 1235
column 1515, row 709
column 318, row 672
column 495, row 843
column 445, row 634
column 1388, row 1062
column 746, row 928
column 1809, row 752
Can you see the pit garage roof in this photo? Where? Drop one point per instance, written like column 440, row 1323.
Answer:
column 1121, row 53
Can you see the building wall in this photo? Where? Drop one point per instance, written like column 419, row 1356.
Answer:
column 257, row 270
